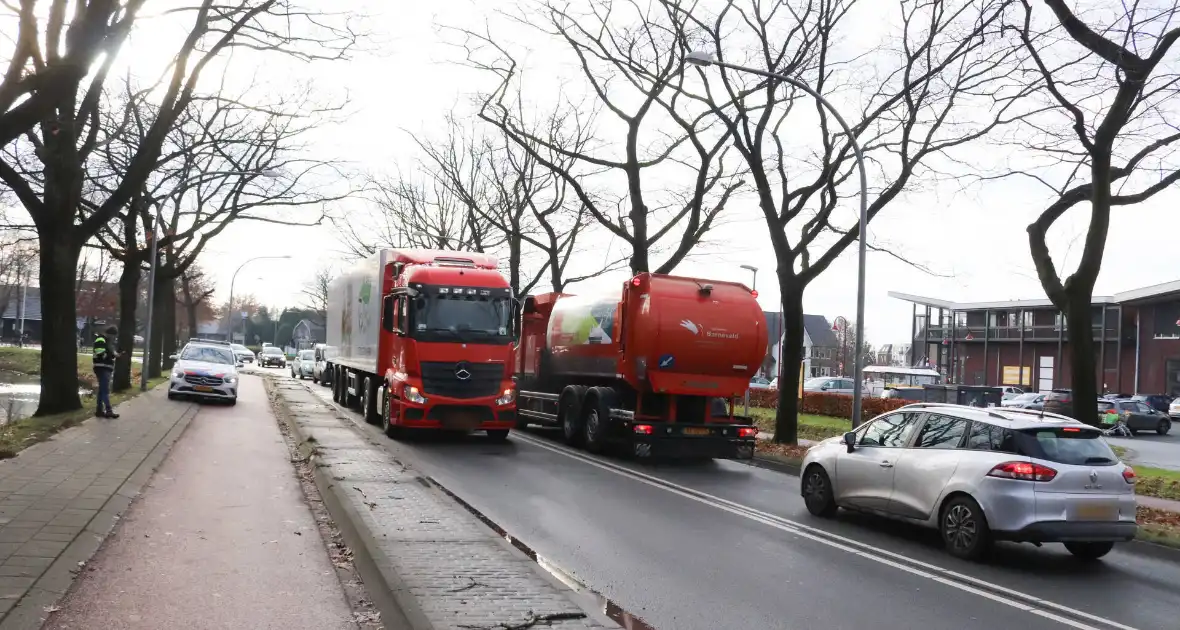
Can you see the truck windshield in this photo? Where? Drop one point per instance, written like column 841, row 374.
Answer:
column 462, row 314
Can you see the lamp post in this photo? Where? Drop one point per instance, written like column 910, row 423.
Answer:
column 151, row 296
column 702, row 58
column 230, row 305
column 753, row 287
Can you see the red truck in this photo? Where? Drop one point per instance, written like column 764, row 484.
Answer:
column 422, row 339
column 655, row 370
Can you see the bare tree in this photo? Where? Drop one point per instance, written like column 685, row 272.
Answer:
column 630, row 61
column 315, row 291
column 50, row 125
column 18, row 260
column 226, row 161
column 196, row 297
column 1109, row 140
column 905, row 116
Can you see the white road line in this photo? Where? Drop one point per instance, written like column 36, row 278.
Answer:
column 932, row 572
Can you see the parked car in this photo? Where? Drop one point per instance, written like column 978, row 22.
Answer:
column 1139, row 416
column 303, row 365
column 831, row 385
column 1159, row 402
column 1010, row 392
column 1174, row 409
column 1032, row 400
column 1059, row 401
column 243, row 354
column 272, row 356
column 759, row 382
column 978, row 476
column 205, row 371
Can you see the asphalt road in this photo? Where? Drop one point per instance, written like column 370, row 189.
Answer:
column 221, row 538
column 1150, row 449
column 726, row 545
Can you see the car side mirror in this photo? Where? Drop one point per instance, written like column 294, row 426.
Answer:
column 174, row 357
column 240, row 364
column 823, row 388
column 850, row 441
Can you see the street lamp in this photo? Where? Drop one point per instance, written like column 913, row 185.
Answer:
column 704, row 59
column 151, row 296
column 230, row 305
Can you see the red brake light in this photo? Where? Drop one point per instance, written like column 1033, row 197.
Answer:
column 1071, row 430
column 636, row 282
column 642, row 429
column 747, row 431
column 1129, row 474
column 1024, row 471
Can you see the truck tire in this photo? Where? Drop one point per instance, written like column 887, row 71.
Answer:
column 336, row 385
column 392, row 431
column 596, row 418
column 368, row 400
column 569, row 413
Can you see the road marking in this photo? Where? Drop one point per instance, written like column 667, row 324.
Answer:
column 976, row 586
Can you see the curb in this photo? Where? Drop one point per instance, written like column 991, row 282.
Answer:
column 777, row 464
column 52, row 586
column 399, row 608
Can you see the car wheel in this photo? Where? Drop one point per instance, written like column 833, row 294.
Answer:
column 817, row 492
column 1089, row 550
column 497, row 435
column 1163, row 427
column 964, row 529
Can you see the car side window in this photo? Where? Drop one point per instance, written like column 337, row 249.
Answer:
column 1145, row 408
column 890, row 431
column 988, row 437
column 1126, row 406
column 943, row 432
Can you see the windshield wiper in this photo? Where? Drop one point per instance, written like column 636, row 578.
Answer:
column 443, row 330
column 1099, row 460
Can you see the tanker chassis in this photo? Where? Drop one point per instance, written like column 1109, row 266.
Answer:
column 655, row 371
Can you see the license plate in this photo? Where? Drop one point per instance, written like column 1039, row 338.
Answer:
column 1096, row 512
column 696, row 431
column 203, row 388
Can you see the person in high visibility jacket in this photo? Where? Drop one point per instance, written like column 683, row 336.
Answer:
column 104, row 366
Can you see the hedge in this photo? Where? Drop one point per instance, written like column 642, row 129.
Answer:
column 824, row 404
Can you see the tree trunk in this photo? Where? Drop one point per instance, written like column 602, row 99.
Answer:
column 786, row 422
column 128, row 303
column 153, row 366
column 59, row 328
column 1082, row 365
column 190, row 309
column 167, row 290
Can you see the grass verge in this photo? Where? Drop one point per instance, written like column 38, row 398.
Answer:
column 811, row 427
column 1157, row 482
column 1159, row 526
column 25, row 432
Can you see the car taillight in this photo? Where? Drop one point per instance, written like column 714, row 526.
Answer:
column 1129, row 474
column 642, row 429
column 747, row 431
column 1025, row 471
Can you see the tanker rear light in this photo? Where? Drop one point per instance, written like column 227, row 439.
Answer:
column 754, row 292
column 745, row 432
column 642, row 429
column 636, row 281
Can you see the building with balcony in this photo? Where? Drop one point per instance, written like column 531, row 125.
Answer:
column 1024, row 342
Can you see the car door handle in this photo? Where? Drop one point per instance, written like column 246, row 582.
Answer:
column 886, row 464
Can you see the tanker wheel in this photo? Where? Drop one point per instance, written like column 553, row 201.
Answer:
column 596, row 419
column 569, row 414
column 336, row 385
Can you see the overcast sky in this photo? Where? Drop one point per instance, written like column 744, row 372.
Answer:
column 974, row 240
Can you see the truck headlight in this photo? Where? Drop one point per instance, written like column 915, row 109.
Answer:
column 507, row 397
column 413, row 395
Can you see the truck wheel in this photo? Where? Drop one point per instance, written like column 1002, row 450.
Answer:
column 368, row 400
column 596, row 418
column 569, row 413
column 335, row 385
column 392, row 430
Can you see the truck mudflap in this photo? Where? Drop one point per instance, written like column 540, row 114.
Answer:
column 649, row 440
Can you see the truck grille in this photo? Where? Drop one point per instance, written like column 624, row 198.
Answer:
column 197, row 379
column 443, row 379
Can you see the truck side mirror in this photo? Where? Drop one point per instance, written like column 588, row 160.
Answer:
column 517, row 313
column 387, row 313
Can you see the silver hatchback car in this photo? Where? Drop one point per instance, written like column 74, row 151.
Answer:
column 978, row 476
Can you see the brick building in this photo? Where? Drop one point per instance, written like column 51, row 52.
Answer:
column 1023, row 342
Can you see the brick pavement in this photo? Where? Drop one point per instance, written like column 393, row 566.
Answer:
column 440, row 565
column 59, row 499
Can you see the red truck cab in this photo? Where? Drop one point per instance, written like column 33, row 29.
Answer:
column 441, row 357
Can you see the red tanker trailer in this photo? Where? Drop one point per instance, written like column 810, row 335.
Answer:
column 647, row 369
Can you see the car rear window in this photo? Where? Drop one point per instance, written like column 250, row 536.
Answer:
column 1105, row 406
column 1066, row 445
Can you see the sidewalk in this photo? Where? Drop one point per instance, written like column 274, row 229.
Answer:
column 222, row 537
column 427, row 562
column 60, row 499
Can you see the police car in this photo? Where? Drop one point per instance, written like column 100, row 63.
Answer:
column 206, row 370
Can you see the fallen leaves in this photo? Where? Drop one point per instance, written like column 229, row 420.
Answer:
column 790, row 451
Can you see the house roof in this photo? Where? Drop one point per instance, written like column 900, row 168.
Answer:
column 12, row 309
column 820, row 331
column 1144, row 294
column 316, row 332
